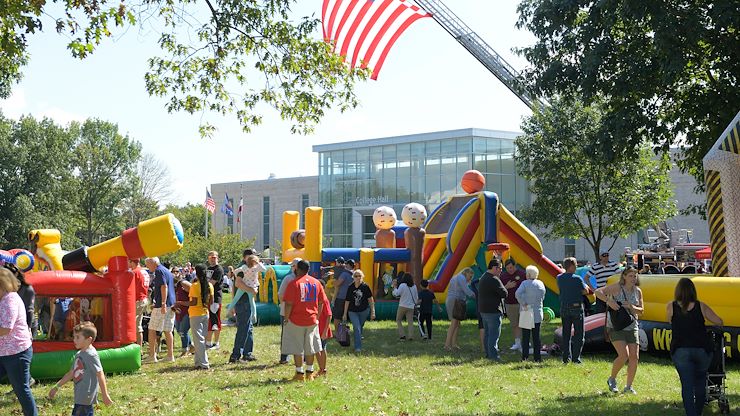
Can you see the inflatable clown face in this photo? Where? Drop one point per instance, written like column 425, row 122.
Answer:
column 414, row 215
column 384, row 218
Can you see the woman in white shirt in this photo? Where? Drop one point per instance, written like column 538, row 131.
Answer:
column 409, row 297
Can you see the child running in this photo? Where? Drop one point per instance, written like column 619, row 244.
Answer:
column 87, row 372
column 325, row 334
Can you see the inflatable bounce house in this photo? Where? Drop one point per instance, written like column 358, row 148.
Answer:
column 721, row 292
column 95, row 284
column 464, row 231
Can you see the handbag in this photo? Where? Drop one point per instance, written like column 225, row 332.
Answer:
column 460, row 310
column 417, row 307
column 526, row 318
column 621, row 318
column 342, row 334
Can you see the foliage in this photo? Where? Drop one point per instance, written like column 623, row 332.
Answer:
column 152, row 187
column 228, row 60
column 35, row 180
column 580, row 192
column 196, row 248
column 390, row 378
column 667, row 69
column 105, row 163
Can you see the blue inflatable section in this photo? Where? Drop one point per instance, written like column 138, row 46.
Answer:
column 489, row 228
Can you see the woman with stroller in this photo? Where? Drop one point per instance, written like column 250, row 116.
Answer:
column 691, row 350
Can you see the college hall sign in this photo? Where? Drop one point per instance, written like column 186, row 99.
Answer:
column 371, row 200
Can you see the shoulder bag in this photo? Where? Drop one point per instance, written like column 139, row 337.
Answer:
column 621, row 318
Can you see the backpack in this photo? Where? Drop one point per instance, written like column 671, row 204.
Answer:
column 342, row 335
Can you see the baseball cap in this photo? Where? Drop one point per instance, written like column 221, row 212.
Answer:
column 604, row 252
column 295, row 261
column 339, row 260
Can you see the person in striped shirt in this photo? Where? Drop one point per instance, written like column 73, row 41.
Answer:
column 601, row 271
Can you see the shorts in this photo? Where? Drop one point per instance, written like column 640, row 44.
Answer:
column 299, row 340
column 512, row 311
column 449, row 305
column 629, row 336
column 162, row 322
column 338, row 310
column 214, row 319
column 140, row 309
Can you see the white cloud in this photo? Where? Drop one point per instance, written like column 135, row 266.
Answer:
column 15, row 105
column 59, row 115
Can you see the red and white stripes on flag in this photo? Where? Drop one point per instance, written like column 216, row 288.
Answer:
column 363, row 31
column 209, row 203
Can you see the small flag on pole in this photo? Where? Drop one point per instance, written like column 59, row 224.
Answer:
column 227, row 208
column 239, row 210
column 210, row 204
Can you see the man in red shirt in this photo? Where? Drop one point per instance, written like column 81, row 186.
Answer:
column 141, row 283
column 304, row 298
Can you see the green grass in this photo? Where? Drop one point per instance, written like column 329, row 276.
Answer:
column 389, row 378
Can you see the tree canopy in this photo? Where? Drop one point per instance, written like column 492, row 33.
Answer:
column 667, row 70
column 225, row 57
column 578, row 193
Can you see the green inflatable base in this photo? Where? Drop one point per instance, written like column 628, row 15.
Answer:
column 53, row 365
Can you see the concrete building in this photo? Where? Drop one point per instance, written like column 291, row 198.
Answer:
column 264, row 203
column 356, row 177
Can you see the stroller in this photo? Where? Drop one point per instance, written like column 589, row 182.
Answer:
column 716, row 388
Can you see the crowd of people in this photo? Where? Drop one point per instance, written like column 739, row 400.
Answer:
column 189, row 300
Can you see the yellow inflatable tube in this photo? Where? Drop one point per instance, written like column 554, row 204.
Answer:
column 367, row 265
column 314, row 233
column 721, row 293
column 48, row 248
column 291, row 222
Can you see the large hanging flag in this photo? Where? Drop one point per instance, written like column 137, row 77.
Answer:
column 210, row 204
column 363, row 31
column 227, row 208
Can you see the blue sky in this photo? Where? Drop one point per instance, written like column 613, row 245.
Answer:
column 428, row 82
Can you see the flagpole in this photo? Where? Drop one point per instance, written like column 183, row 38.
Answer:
column 206, row 222
column 241, row 208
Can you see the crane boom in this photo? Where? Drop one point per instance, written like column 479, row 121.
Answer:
column 482, row 51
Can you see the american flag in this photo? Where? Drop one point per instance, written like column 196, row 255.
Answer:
column 363, row 31
column 239, row 210
column 210, row 204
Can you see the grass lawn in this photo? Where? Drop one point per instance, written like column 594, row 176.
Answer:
column 389, row 378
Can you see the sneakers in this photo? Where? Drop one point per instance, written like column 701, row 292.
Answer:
column 402, row 338
column 628, row 390
column 249, row 357
column 516, row 346
column 168, row 360
column 612, row 383
column 214, row 346
column 283, row 362
column 298, row 377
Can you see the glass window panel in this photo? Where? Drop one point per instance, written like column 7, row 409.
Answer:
column 508, row 189
column 389, row 153
column 463, row 164
column 376, row 160
column 493, row 163
column 449, row 186
column 493, row 183
column 432, row 189
column 449, row 147
column 349, row 193
column 337, row 167
column 479, row 145
column 464, row 146
column 493, row 146
column 350, row 163
column 432, row 147
column 449, row 166
column 479, row 163
column 431, row 165
column 363, row 163
column 403, row 151
column 508, row 165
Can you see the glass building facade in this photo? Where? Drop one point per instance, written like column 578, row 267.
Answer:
column 356, row 177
